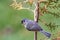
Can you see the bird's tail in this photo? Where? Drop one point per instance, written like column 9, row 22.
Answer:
column 46, row 33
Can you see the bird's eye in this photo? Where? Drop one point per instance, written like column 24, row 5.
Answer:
column 23, row 20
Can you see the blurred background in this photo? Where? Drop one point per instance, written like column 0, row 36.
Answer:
column 12, row 29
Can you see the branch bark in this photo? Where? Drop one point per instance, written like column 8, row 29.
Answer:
column 36, row 18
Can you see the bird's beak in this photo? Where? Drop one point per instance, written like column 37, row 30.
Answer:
column 22, row 22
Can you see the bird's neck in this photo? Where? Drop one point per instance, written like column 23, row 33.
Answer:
column 25, row 24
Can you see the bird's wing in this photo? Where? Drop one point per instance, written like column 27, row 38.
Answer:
column 29, row 25
column 34, row 26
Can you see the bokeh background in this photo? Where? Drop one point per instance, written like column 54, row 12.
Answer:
column 12, row 29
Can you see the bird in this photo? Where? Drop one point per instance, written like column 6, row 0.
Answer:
column 34, row 26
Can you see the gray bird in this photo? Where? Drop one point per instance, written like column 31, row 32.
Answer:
column 33, row 26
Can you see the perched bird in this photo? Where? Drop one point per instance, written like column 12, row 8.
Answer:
column 33, row 26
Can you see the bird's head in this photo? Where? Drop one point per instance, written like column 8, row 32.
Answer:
column 24, row 21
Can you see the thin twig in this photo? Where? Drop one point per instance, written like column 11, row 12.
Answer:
column 36, row 18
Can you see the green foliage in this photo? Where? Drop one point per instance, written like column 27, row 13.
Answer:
column 9, row 16
column 51, row 7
